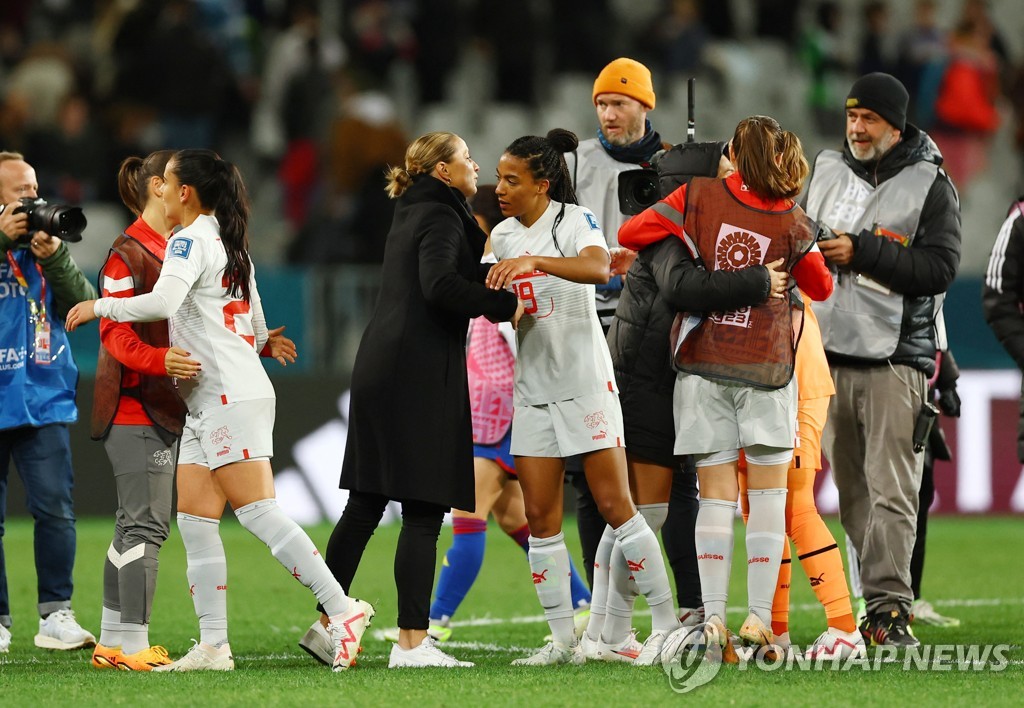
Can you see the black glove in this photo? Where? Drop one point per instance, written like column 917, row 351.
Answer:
column 949, row 402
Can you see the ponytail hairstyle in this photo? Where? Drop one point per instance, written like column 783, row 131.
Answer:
column 758, row 142
column 219, row 186
column 134, row 175
column 420, row 158
column 545, row 159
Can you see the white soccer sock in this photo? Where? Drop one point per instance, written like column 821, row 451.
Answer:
column 643, row 557
column 549, row 563
column 713, row 537
column 207, row 571
column 599, row 593
column 110, row 628
column 622, row 593
column 290, row 545
column 766, row 532
column 135, row 637
column 853, row 566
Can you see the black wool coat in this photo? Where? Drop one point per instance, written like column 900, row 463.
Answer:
column 410, row 434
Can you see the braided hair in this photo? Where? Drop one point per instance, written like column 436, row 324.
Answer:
column 545, row 159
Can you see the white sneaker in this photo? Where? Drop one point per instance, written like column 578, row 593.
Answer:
column 627, row 651
column 650, row 654
column 347, row 632
column 5, row 639
column 691, row 616
column 922, row 612
column 836, row 644
column 202, row 657
column 318, row 644
column 427, row 654
column 552, row 654
column 61, row 631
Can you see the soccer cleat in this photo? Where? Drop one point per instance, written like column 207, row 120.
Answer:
column 5, row 639
column 691, row 616
column 439, row 632
column 105, row 657
column 888, row 628
column 922, row 612
column 60, row 630
column 145, row 660
column 719, row 639
column 627, row 650
column 202, row 657
column 347, row 632
column 836, row 644
column 552, row 654
column 783, row 644
column 756, row 632
column 588, row 647
column 426, row 655
column 318, row 644
column 650, row 654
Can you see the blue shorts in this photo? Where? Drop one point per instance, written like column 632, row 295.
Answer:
column 499, row 452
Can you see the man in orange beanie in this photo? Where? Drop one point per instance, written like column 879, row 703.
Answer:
column 623, row 94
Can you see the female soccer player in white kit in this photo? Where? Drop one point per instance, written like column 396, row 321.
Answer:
column 552, row 252
column 207, row 291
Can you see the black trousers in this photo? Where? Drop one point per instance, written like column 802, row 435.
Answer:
column 677, row 535
column 925, row 498
column 415, row 556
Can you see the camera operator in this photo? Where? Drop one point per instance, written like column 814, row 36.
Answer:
column 623, row 94
column 897, row 250
column 39, row 283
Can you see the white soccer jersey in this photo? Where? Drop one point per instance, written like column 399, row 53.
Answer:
column 562, row 350
column 222, row 333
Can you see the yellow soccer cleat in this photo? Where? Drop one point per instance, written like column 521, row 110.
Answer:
column 106, row 657
column 145, row 660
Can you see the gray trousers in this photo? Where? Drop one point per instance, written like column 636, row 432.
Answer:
column 143, row 459
column 868, row 441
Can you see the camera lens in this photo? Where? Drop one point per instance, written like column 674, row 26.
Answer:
column 646, row 192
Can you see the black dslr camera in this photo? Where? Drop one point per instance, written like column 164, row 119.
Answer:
column 669, row 169
column 65, row 222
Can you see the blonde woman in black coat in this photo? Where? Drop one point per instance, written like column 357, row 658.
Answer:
column 410, row 437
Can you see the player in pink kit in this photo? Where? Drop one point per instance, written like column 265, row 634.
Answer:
column 207, row 291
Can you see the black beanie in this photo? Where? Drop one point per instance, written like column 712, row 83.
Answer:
column 883, row 94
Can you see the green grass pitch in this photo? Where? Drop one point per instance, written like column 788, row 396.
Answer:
column 973, row 572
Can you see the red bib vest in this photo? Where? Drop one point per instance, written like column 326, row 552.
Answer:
column 157, row 394
column 755, row 345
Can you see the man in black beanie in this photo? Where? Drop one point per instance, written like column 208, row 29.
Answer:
column 894, row 251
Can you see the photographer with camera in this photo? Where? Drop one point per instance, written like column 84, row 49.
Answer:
column 895, row 218
column 39, row 283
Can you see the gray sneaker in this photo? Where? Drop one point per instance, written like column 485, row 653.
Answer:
column 922, row 612
column 5, row 639
column 318, row 644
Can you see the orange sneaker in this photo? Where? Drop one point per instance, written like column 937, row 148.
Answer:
column 106, row 657
column 145, row 660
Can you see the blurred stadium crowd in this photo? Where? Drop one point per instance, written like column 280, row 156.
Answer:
column 311, row 99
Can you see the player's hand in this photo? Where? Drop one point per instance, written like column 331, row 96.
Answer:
column 282, row 348
column 44, row 245
column 80, row 314
column 179, row 366
column 502, row 273
column 837, row 251
column 780, row 279
column 621, row 260
column 520, row 309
